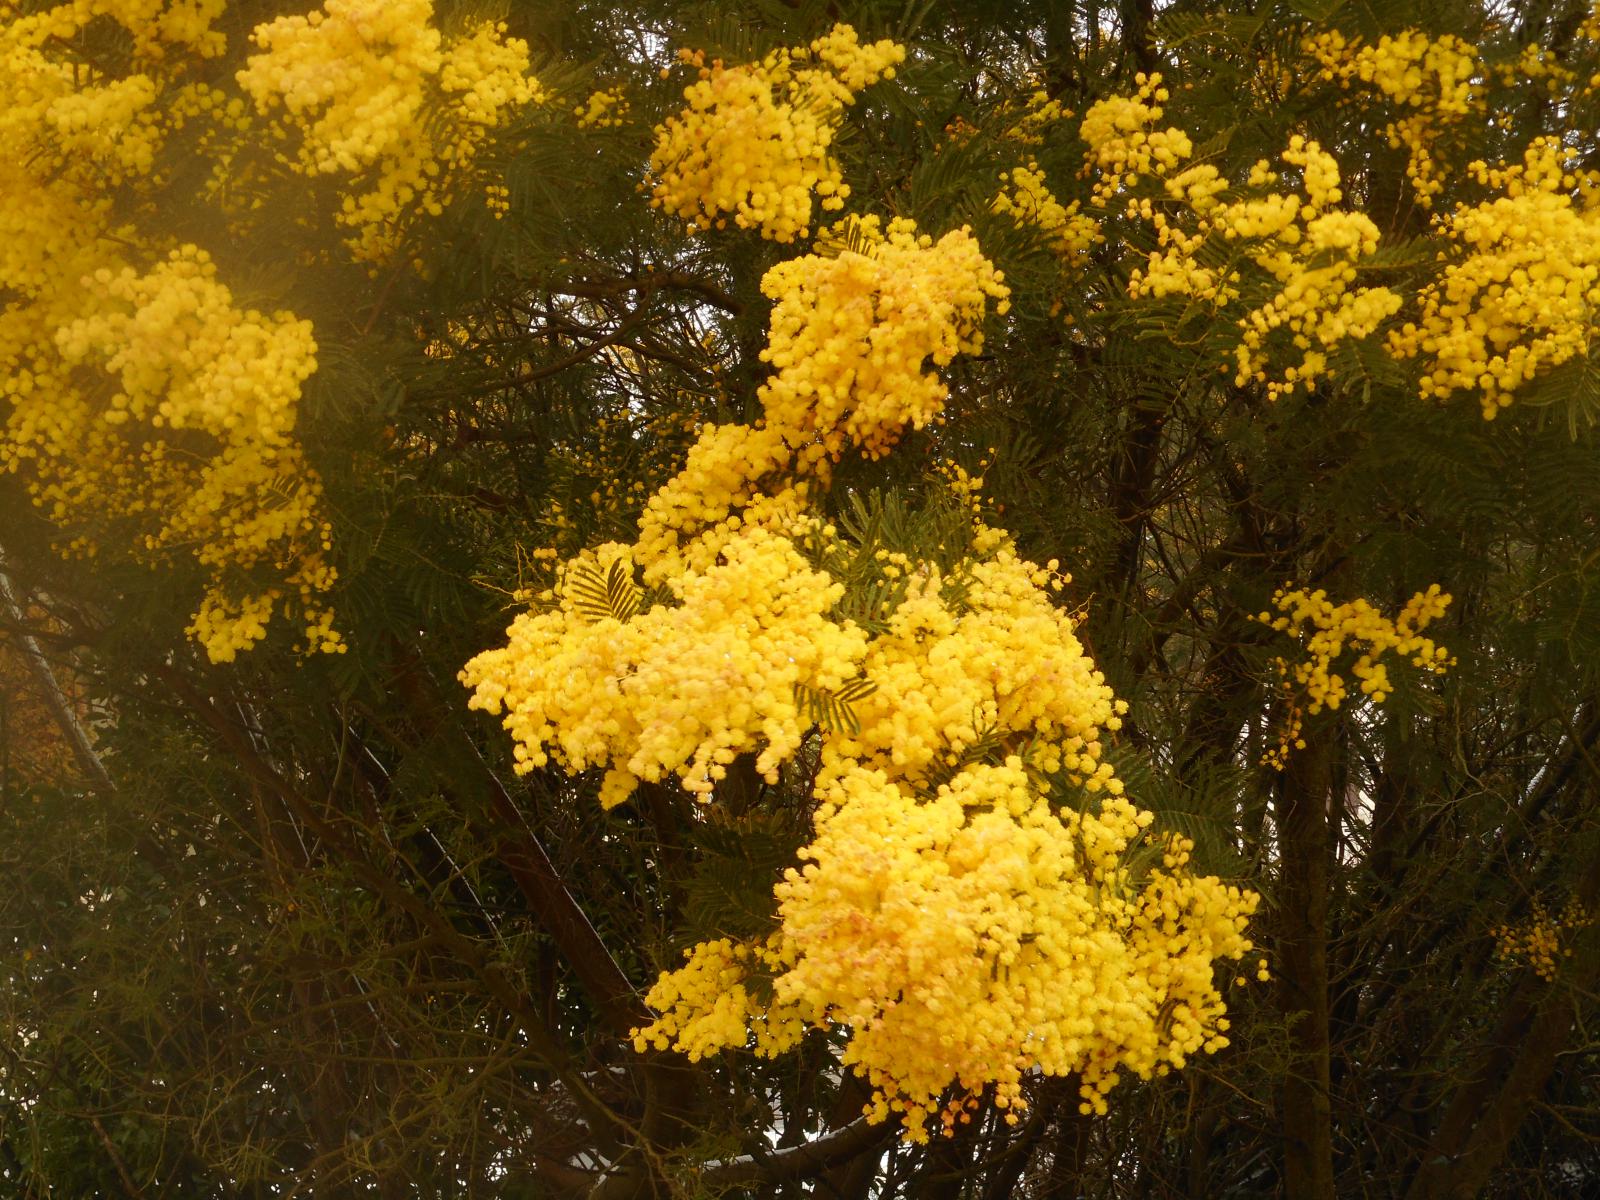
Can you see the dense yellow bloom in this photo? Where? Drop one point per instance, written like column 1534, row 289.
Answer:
column 141, row 401
column 80, row 123
column 959, row 920
column 1432, row 82
column 1038, row 113
column 1124, row 143
column 706, row 1006
column 1000, row 661
column 153, row 28
column 851, row 332
column 973, row 905
column 1537, row 63
column 1327, row 632
column 849, row 340
column 371, row 91
column 756, row 140
column 723, row 478
column 1544, row 939
column 971, row 936
column 1521, row 284
column 682, row 687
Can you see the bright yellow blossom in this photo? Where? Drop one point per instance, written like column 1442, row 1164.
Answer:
column 1520, row 285
column 1308, row 247
column 141, row 401
column 1544, row 939
column 973, row 935
column 963, row 923
column 1327, row 632
column 851, row 336
column 370, row 90
column 1432, row 83
column 756, row 140
column 1124, row 143
column 604, row 109
column 851, row 332
column 1071, row 233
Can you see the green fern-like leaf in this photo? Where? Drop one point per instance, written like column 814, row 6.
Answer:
column 991, row 746
column 849, row 239
column 597, row 597
column 833, row 709
column 737, row 860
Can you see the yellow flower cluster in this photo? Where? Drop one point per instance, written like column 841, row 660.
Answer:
column 604, row 109
column 848, row 342
column 1000, row 661
column 1521, row 287
column 1544, row 939
column 707, row 1006
column 1327, row 631
column 80, row 123
column 756, row 140
column 370, row 90
column 723, row 485
column 1538, row 63
column 184, row 358
column 1040, row 111
column 944, row 890
column 1070, row 232
column 1123, row 142
column 1299, row 240
column 851, row 332
column 497, row 199
column 679, row 688
column 1434, row 82
column 975, row 935
column 964, row 924
column 153, row 28
column 142, row 402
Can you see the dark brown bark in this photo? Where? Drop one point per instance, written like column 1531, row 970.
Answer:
column 850, row 1178
column 523, row 855
column 1204, row 1117
column 948, row 1163
column 1137, row 17
column 1131, row 484
column 805, row 1161
column 1070, row 1151
column 1301, row 927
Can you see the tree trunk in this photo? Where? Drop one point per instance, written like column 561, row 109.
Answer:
column 1304, row 1109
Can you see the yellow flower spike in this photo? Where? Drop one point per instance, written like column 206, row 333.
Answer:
column 848, row 342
